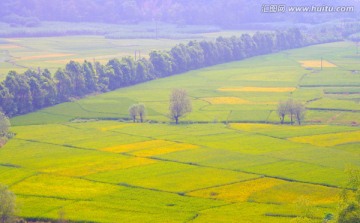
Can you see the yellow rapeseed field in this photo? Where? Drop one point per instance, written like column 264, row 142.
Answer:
column 332, row 139
column 290, row 192
column 227, row 100
column 238, row 192
column 165, row 149
column 84, row 169
column 250, row 127
column 137, row 146
column 64, row 187
column 316, row 63
column 258, row 89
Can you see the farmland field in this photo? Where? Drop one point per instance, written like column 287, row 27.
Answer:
column 228, row 161
column 19, row 54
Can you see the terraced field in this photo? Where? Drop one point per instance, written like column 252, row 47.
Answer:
column 228, row 161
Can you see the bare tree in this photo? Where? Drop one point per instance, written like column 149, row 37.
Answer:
column 137, row 110
column 291, row 109
column 141, row 111
column 180, row 104
column 282, row 110
column 7, row 205
column 133, row 111
column 299, row 111
column 295, row 110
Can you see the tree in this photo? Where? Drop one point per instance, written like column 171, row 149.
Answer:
column 181, row 58
column 64, row 85
column 115, row 74
column 141, row 111
column 7, row 104
column 137, row 110
column 282, row 110
column 49, row 86
column 133, row 111
column 90, row 77
column 7, row 205
column 180, row 104
column 76, row 73
column 299, row 111
column 350, row 214
column 35, row 83
column 18, row 86
column 290, row 104
column 144, row 70
column 295, row 109
column 162, row 63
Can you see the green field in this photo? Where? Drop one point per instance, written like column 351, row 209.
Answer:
column 55, row 52
column 228, row 161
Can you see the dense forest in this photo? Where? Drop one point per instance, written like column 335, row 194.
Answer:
column 226, row 14
column 23, row 93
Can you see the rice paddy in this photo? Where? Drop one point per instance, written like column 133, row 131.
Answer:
column 228, row 161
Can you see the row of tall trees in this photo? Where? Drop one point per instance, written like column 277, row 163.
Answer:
column 23, row 93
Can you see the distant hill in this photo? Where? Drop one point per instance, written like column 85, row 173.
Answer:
column 226, row 14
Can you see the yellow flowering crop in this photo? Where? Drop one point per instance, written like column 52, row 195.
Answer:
column 259, row 89
column 238, row 192
column 316, row 63
column 329, row 139
column 164, row 149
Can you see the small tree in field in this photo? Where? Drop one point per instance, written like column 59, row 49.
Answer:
column 295, row 110
column 136, row 110
column 299, row 111
column 290, row 104
column 282, row 110
column 7, row 205
column 180, row 104
column 133, row 111
column 141, row 111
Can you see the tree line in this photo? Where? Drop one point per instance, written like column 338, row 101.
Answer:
column 33, row 90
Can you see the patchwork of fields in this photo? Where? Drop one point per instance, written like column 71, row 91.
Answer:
column 228, row 161
column 55, row 52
